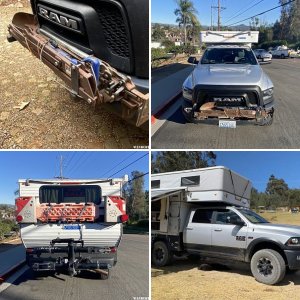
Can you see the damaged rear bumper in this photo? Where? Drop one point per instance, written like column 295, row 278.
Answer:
column 85, row 76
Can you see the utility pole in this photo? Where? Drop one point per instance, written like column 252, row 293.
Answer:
column 61, row 167
column 219, row 8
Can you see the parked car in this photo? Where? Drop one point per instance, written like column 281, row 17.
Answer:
column 262, row 54
column 280, row 51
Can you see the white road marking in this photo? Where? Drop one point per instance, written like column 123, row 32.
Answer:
column 12, row 279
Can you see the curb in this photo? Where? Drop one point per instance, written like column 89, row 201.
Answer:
column 164, row 107
column 11, row 270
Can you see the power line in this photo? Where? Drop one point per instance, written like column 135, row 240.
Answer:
column 128, row 165
column 119, row 163
column 89, row 154
column 76, row 162
column 142, row 175
column 263, row 12
column 68, row 163
column 235, row 16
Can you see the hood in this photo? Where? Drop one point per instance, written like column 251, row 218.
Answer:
column 228, row 75
column 288, row 230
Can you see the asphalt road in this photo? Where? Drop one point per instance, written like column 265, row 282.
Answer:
column 176, row 133
column 129, row 279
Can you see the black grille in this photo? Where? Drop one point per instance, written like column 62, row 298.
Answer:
column 231, row 96
column 114, row 28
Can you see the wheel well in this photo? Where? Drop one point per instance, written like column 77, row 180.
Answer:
column 268, row 245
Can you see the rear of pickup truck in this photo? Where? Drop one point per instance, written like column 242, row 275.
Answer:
column 71, row 227
column 99, row 48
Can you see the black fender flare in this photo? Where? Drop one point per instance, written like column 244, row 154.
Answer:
column 258, row 241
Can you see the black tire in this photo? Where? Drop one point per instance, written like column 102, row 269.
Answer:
column 160, row 254
column 268, row 266
column 194, row 257
column 282, row 56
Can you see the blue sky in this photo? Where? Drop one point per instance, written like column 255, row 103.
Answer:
column 163, row 11
column 259, row 165
column 15, row 165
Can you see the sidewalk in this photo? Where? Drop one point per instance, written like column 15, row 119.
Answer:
column 165, row 90
column 10, row 259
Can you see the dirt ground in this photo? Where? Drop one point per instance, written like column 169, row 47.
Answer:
column 52, row 119
column 185, row 279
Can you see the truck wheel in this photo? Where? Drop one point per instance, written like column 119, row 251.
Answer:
column 282, row 56
column 268, row 266
column 161, row 256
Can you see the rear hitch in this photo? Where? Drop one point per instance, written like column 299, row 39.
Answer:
column 71, row 253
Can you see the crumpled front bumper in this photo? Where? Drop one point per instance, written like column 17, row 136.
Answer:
column 85, row 76
column 259, row 115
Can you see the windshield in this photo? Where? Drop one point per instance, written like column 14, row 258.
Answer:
column 70, row 194
column 252, row 216
column 228, row 56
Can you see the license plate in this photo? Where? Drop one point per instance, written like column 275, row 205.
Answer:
column 227, row 124
column 71, row 227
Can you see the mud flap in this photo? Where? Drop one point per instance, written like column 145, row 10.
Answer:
column 84, row 76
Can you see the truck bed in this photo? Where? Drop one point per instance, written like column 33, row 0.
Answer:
column 93, row 234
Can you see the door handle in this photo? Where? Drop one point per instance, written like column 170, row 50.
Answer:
column 218, row 229
column 189, row 228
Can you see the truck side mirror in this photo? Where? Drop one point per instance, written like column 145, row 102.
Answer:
column 192, row 60
column 238, row 223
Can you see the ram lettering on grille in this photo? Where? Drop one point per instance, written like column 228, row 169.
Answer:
column 61, row 20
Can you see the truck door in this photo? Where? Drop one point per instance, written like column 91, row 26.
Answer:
column 228, row 239
column 197, row 234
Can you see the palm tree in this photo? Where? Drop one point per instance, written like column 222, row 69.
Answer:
column 185, row 13
column 193, row 29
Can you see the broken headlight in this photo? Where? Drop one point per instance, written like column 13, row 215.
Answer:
column 187, row 93
column 268, row 95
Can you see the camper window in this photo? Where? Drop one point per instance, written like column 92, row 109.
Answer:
column 202, row 216
column 191, row 180
column 155, row 184
column 70, row 194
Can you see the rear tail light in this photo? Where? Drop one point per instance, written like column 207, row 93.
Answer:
column 124, row 218
column 113, row 249
column 29, row 250
column 19, row 218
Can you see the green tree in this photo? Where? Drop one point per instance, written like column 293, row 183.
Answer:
column 167, row 161
column 185, row 13
column 135, row 195
column 277, row 190
column 158, row 34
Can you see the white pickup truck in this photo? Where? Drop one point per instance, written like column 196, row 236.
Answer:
column 280, row 51
column 71, row 225
column 205, row 213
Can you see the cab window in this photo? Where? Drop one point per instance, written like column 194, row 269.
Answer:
column 202, row 216
column 226, row 217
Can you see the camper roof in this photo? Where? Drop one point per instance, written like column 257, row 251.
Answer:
column 229, row 37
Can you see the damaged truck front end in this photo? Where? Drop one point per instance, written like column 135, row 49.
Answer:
column 228, row 83
column 86, row 75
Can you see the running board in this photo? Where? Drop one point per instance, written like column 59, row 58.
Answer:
column 85, row 76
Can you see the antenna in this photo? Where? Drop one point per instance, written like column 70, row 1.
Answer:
column 220, row 8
